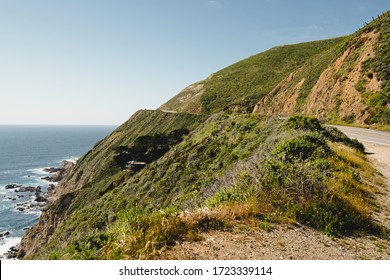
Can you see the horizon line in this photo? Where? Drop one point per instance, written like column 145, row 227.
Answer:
column 40, row 124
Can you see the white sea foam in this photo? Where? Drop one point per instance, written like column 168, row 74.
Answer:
column 7, row 243
column 71, row 159
column 36, row 212
column 38, row 171
column 6, row 198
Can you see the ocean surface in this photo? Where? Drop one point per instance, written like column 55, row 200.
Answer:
column 24, row 152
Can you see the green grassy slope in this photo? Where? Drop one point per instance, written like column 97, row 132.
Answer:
column 98, row 163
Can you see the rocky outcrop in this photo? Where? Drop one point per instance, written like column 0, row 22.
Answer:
column 12, row 253
column 3, row 234
column 58, row 172
column 12, row 186
column 40, row 198
column 51, row 169
column 28, row 189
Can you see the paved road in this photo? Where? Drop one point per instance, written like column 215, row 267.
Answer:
column 367, row 135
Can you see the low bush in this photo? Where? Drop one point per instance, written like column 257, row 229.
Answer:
column 299, row 122
column 302, row 147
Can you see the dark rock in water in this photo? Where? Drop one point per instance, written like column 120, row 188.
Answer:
column 51, row 187
column 12, row 252
column 4, row 234
column 51, row 169
column 47, row 178
column 20, row 195
column 40, row 198
column 56, row 177
column 58, row 173
column 21, row 209
column 28, row 189
column 12, row 186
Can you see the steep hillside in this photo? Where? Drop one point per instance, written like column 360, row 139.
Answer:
column 211, row 157
column 99, row 163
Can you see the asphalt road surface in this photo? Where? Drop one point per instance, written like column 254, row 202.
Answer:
column 367, row 135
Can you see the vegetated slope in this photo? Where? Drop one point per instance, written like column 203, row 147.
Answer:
column 343, row 80
column 214, row 153
column 240, row 165
column 99, row 164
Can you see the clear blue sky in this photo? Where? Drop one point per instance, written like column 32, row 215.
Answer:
column 99, row 61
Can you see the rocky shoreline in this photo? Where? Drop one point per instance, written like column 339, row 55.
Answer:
column 37, row 195
column 57, row 173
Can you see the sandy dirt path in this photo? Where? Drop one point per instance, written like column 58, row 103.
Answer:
column 379, row 156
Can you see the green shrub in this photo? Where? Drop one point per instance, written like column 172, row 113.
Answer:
column 302, row 147
column 302, row 123
column 233, row 195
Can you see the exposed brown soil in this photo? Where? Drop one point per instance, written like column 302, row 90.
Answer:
column 335, row 91
column 282, row 242
column 282, row 99
column 339, row 93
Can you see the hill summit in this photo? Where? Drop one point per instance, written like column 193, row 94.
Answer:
column 342, row 80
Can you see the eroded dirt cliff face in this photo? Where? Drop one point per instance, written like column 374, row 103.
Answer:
column 38, row 236
column 336, row 92
column 335, row 95
column 282, row 99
